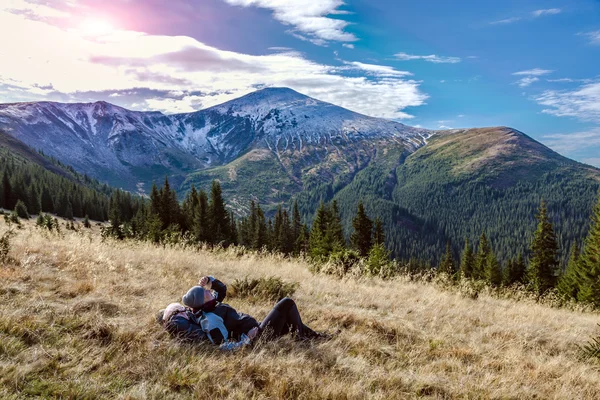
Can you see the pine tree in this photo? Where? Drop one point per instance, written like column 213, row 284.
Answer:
column 8, row 198
column 514, row 271
column 493, row 270
column 201, row 223
column 590, row 263
column 569, row 282
column 297, row 228
column 219, row 217
column 261, row 231
column 447, row 266
column 361, row 238
column 378, row 232
column 86, row 222
column 233, row 231
column 318, row 246
column 543, row 265
column 467, row 262
column 482, row 255
column 335, row 230
column 21, row 210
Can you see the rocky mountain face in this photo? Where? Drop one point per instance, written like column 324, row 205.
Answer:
column 131, row 149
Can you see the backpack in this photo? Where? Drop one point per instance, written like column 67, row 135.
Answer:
column 209, row 322
column 183, row 325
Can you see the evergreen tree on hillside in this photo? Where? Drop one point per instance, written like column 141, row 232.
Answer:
column 447, row 266
column 219, row 217
column 569, row 283
column 514, row 271
column 467, row 262
column 361, row 238
column 335, row 230
column 21, row 210
column 318, row 246
column 590, row 263
column 543, row 265
column 261, row 234
column 493, row 270
column 46, row 200
column 297, row 228
column 378, row 232
column 201, row 224
column 233, row 230
column 7, row 193
column 482, row 257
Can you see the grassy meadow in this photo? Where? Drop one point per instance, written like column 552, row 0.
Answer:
column 77, row 322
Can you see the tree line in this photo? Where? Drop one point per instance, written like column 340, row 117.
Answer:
column 541, row 271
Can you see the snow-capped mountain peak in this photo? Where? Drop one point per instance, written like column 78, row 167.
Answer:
column 102, row 136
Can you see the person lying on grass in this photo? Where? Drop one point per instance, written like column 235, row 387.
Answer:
column 203, row 316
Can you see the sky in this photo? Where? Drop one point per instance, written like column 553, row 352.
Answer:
column 531, row 65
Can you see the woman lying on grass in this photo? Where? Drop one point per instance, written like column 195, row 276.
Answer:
column 203, row 316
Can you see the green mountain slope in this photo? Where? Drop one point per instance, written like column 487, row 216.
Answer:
column 465, row 182
column 462, row 183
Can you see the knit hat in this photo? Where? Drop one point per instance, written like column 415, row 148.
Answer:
column 194, row 298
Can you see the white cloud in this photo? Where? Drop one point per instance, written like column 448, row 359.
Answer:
column 528, row 80
column 570, row 143
column 430, row 58
column 534, row 72
column 66, row 63
column 593, row 36
column 506, row 21
column 548, row 11
column 530, row 76
column 348, row 45
column 582, row 103
column 569, row 80
column 307, row 16
column 377, row 70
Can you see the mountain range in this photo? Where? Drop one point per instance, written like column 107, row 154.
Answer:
column 277, row 146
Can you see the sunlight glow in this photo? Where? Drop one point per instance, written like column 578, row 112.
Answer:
column 96, row 27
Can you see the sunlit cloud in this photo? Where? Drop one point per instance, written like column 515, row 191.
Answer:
column 311, row 18
column 72, row 64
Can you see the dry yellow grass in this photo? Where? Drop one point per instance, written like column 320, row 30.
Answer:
column 77, row 321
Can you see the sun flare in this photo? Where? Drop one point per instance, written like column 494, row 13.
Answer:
column 95, row 27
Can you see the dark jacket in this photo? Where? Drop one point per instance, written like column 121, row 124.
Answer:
column 185, row 326
column 236, row 323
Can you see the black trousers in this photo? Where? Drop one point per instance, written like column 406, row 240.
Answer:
column 285, row 318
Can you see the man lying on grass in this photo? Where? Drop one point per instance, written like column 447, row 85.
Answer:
column 203, row 317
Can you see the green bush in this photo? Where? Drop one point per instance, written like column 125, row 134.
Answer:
column 12, row 218
column 21, row 210
column 5, row 248
column 262, row 289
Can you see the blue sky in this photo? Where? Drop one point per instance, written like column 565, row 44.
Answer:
column 531, row 65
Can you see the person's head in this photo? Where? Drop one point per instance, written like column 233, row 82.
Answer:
column 197, row 297
column 165, row 315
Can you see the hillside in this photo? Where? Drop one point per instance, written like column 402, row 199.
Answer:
column 77, row 321
column 465, row 182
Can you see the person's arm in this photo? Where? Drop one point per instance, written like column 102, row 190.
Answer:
column 210, row 282
column 240, row 323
